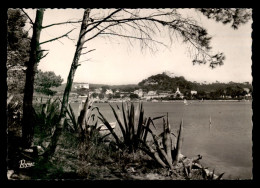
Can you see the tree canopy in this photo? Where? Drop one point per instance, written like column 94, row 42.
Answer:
column 164, row 82
column 18, row 48
column 44, row 81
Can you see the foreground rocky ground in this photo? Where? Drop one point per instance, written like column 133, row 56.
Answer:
column 101, row 161
column 116, row 166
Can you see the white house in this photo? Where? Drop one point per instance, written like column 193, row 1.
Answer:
column 139, row 92
column 98, row 91
column 109, row 91
column 247, row 90
column 151, row 93
column 193, row 92
column 81, row 85
column 163, row 94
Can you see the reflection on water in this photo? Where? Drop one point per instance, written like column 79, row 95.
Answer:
column 226, row 145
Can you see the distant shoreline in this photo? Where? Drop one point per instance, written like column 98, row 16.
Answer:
column 168, row 101
column 75, row 100
column 181, row 101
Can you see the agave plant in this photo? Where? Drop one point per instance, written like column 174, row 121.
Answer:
column 86, row 124
column 162, row 149
column 133, row 125
column 47, row 114
column 208, row 175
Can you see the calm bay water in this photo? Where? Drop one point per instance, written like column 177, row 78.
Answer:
column 225, row 147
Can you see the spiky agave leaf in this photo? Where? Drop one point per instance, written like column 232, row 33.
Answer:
column 204, row 173
column 187, row 174
column 106, row 123
column 85, row 113
column 72, row 117
column 179, row 143
column 119, row 122
column 212, row 175
column 137, row 114
column 51, row 109
column 89, row 110
column 161, row 151
column 143, row 128
column 82, row 117
column 152, row 153
column 125, row 118
column 220, row 176
column 149, row 121
column 167, row 142
column 140, row 124
column 128, row 118
column 103, row 137
column 158, row 117
column 131, row 121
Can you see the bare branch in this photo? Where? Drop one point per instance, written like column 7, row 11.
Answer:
column 88, row 51
column 144, row 27
column 27, row 16
column 120, row 21
column 133, row 37
column 101, row 21
column 43, row 56
column 70, row 38
column 61, row 23
column 147, row 18
column 100, row 31
column 85, row 60
column 42, row 51
column 60, row 41
column 65, row 35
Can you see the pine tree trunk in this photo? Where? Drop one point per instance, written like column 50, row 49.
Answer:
column 51, row 149
column 27, row 122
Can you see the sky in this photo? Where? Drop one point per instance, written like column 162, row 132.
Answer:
column 115, row 62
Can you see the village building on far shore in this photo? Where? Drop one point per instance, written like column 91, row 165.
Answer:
column 81, row 85
column 109, row 91
column 150, row 95
column 98, row 90
column 163, row 94
column 248, row 95
column 193, row 92
column 178, row 94
column 139, row 92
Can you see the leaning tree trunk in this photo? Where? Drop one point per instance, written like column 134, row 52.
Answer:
column 52, row 146
column 27, row 122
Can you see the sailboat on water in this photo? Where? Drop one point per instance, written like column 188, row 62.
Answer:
column 185, row 102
